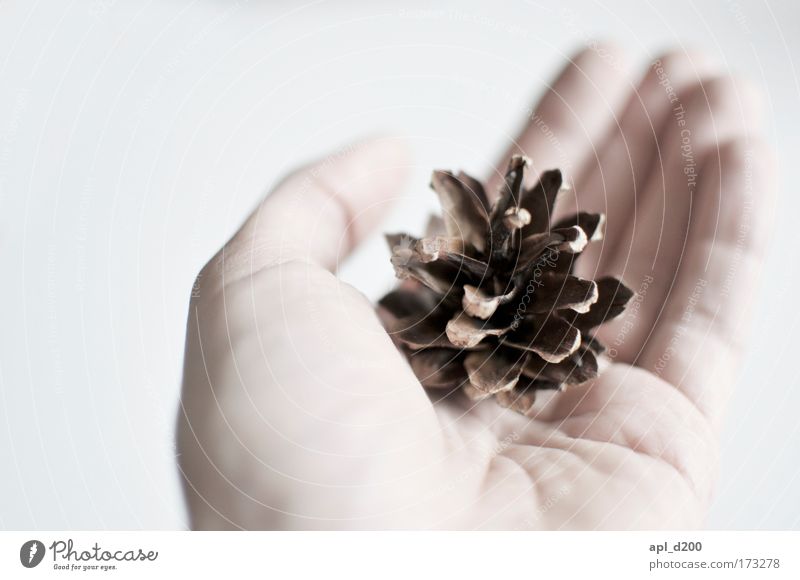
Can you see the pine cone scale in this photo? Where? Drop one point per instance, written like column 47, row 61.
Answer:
column 540, row 200
column 492, row 372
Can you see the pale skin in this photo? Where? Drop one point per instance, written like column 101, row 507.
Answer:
column 298, row 412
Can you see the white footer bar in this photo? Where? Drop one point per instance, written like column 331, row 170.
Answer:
column 402, row 555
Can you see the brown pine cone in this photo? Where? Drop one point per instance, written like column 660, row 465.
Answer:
column 491, row 305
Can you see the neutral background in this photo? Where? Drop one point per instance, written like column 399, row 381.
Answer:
column 135, row 135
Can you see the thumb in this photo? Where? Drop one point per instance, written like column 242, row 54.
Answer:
column 317, row 214
column 297, row 411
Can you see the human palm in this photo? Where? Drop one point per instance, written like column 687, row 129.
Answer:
column 298, row 411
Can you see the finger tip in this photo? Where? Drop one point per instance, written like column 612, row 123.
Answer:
column 684, row 64
column 386, row 148
column 372, row 178
column 607, row 54
column 386, row 158
column 368, row 170
column 756, row 160
column 733, row 93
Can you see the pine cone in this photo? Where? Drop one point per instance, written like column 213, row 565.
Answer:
column 491, row 306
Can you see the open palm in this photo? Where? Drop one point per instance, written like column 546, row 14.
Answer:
column 298, row 412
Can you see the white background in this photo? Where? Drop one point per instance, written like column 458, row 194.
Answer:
column 135, row 135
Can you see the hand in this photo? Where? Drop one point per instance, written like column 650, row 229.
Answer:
column 298, row 412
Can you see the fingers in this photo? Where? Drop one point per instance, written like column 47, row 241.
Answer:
column 573, row 114
column 654, row 241
column 317, row 214
column 698, row 341
column 613, row 182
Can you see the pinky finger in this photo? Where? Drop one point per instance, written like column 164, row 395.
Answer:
column 699, row 340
